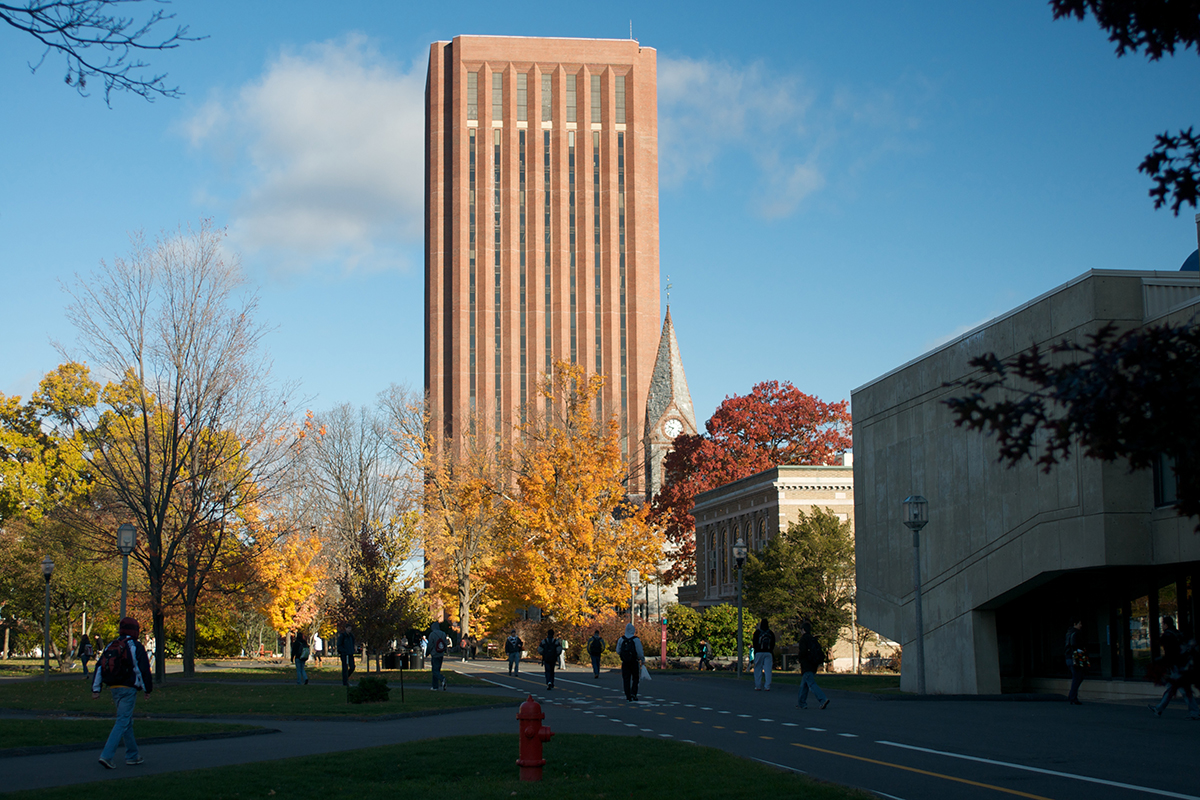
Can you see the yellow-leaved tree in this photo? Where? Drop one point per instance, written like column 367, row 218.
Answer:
column 571, row 533
column 290, row 573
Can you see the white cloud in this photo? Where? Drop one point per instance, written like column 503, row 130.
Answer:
column 325, row 153
column 798, row 137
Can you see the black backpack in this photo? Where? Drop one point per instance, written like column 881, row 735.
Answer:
column 628, row 651
column 595, row 646
column 116, row 663
column 766, row 642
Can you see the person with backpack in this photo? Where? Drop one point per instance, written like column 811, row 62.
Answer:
column 300, row 654
column 84, row 653
column 347, row 648
column 763, row 642
column 595, row 647
column 125, row 669
column 1177, row 669
column 550, row 649
column 438, row 644
column 629, row 650
column 513, row 646
column 811, row 659
column 706, row 654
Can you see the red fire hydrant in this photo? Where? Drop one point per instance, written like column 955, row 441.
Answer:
column 533, row 733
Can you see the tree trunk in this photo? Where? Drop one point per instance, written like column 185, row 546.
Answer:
column 189, row 640
column 464, row 601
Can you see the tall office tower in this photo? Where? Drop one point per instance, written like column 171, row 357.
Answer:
column 541, row 226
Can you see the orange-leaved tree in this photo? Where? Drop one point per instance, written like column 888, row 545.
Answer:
column 571, row 532
column 775, row 424
column 290, row 573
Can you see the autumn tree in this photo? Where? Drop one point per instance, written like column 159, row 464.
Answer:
column 1156, row 27
column 805, row 573
column 96, row 40
column 192, row 431
column 1116, row 396
column 775, row 424
column 376, row 596
column 571, row 533
column 290, row 573
column 464, row 481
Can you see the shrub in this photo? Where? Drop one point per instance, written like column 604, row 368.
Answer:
column 718, row 624
column 369, row 690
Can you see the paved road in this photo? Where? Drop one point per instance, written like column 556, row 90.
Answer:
column 905, row 749
column 901, row 748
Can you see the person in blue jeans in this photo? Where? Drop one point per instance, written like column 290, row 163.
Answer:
column 438, row 644
column 300, row 654
column 811, row 659
column 1075, row 651
column 127, row 672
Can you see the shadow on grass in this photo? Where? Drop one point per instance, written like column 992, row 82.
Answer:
column 484, row 767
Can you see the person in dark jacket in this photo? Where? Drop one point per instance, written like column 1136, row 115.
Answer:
column 763, row 643
column 595, row 646
column 85, row 653
column 811, row 659
column 125, row 679
column 513, row 647
column 300, row 653
column 1075, row 652
column 706, row 654
column 347, row 647
column 550, row 649
column 1177, row 668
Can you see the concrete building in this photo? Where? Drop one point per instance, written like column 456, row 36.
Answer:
column 1009, row 555
column 755, row 509
column 541, row 238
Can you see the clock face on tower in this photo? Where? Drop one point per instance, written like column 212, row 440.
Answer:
column 672, row 428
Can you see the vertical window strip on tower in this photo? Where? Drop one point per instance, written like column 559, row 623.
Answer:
column 496, row 134
column 571, row 98
column 546, row 107
column 522, row 210
column 620, row 98
column 497, row 96
column 596, row 244
column 473, row 95
column 522, row 97
column 595, row 99
column 571, row 242
column 621, row 280
column 548, row 307
column 471, row 152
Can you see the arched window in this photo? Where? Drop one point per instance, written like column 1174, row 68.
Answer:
column 712, row 561
column 724, row 557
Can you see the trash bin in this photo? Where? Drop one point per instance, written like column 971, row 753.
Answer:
column 389, row 661
column 416, row 661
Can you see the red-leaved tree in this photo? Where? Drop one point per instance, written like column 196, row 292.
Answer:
column 775, row 424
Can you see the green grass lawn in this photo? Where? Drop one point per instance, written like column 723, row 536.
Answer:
column 229, row 698
column 41, row 732
column 482, row 767
column 326, row 673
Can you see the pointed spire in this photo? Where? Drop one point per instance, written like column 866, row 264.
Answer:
column 668, row 383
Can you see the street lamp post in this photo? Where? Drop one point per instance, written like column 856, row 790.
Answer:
column 126, row 542
column 47, row 570
column 739, row 555
column 916, row 517
column 633, row 576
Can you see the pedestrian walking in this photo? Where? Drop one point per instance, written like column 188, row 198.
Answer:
column 346, row 648
column 317, row 646
column 436, row 649
column 1075, row 652
column 1178, row 667
column 464, row 648
column 811, row 658
column 300, row 653
column 629, row 650
column 513, row 647
column 595, row 647
column 84, row 654
column 706, row 654
column 550, row 649
column 763, row 642
column 562, row 654
column 125, row 669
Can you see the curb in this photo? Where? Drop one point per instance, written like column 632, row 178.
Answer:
column 17, row 752
column 1017, row 697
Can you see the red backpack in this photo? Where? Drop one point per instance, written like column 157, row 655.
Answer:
column 116, row 663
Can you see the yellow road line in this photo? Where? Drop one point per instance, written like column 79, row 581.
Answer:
column 922, row 772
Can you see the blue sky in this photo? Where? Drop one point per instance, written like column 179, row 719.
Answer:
column 843, row 185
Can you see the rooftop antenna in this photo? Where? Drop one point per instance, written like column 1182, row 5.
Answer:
column 668, row 291
column 630, row 29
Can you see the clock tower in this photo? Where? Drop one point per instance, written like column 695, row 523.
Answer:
column 669, row 410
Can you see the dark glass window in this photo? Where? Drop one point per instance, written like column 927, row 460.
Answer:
column 1166, row 487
